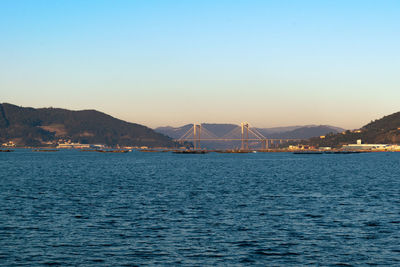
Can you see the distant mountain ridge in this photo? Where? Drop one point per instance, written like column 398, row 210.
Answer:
column 287, row 129
column 306, row 132
column 35, row 127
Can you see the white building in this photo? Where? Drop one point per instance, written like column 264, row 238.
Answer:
column 360, row 146
column 73, row 145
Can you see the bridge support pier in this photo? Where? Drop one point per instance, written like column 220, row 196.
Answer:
column 265, row 144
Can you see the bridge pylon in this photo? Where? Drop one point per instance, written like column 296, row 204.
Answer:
column 196, row 136
column 245, row 136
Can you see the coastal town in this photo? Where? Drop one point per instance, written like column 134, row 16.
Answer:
column 359, row 146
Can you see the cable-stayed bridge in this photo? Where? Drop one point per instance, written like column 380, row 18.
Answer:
column 244, row 133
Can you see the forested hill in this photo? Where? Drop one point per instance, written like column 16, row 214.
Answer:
column 35, row 127
column 382, row 131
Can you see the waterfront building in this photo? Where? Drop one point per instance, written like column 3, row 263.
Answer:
column 72, row 145
column 8, row 144
column 325, row 148
column 300, row 147
column 360, row 146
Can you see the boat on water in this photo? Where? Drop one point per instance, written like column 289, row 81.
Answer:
column 6, row 150
column 347, row 152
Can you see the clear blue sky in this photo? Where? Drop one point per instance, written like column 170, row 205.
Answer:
column 272, row 63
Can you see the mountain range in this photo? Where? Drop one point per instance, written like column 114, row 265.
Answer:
column 44, row 126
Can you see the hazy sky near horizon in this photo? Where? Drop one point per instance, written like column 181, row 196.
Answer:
column 271, row 63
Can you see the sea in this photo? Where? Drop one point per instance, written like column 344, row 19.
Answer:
column 73, row 208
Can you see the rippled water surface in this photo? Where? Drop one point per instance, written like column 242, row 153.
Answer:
column 72, row 208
